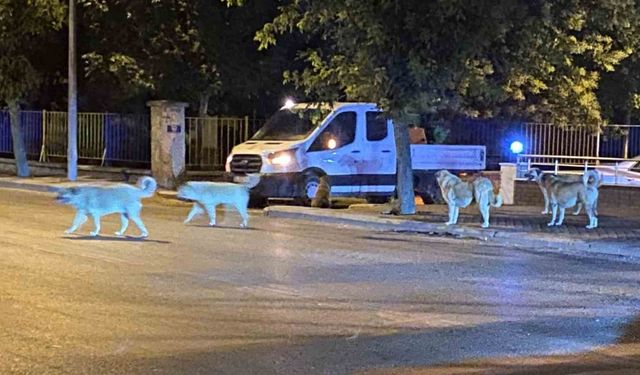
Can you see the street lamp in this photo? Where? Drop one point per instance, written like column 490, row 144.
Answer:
column 72, row 109
column 516, row 147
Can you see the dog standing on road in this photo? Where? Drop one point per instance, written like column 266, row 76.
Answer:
column 563, row 195
column 97, row 201
column 207, row 195
column 459, row 194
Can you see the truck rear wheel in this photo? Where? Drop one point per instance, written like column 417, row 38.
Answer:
column 378, row 199
column 258, row 201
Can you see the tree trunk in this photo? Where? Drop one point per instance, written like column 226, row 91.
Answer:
column 19, row 151
column 203, row 108
column 404, row 187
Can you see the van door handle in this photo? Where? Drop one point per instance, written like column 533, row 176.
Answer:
column 355, row 151
column 386, row 151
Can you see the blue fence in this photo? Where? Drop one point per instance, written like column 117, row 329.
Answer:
column 31, row 126
column 102, row 137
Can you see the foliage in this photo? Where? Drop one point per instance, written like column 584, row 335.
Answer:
column 538, row 60
column 178, row 49
column 23, row 24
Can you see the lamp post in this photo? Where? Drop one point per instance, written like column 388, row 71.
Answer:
column 72, row 111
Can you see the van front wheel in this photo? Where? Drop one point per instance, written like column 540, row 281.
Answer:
column 307, row 188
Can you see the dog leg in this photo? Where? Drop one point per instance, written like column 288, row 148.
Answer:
column 195, row 211
column 78, row 220
column 138, row 222
column 96, row 224
column 211, row 212
column 578, row 209
column 545, row 194
column 245, row 216
column 452, row 210
column 455, row 215
column 554, row 213
column 593, row 220
column 561, row 216
column 484, row 210
column 124, row 224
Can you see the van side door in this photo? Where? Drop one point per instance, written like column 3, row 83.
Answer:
column 377, row 165
column 335, row 150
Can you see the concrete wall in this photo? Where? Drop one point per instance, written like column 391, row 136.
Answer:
column 528, row 194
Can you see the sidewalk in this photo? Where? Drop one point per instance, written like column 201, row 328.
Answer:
column 49, row 184
column 520, row 226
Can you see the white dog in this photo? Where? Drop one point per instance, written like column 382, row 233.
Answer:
column 207, row 195
column 459, row 194
column 97, row 201
column 563, row 195
column 485, row 198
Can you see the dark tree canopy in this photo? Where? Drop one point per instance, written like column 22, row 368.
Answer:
column 538, row 60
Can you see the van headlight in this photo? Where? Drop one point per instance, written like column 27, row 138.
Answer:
column 282, row 158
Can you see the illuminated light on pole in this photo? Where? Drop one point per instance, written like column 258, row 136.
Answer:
column 289, row 103
column 516, row 147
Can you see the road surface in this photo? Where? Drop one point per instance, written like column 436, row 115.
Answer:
column 295, row 297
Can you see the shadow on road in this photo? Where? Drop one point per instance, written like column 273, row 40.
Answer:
column 515, row 348
column 115, row 239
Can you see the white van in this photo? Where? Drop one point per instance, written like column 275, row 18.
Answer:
column 352, row 143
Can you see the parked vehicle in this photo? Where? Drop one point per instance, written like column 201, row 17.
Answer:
column 624, row 173
column 352, row 143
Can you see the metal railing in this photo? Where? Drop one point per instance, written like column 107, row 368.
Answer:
column 615, row 171
column 123, row 138
column 620, row 141
column 102, row 137
column 210, row 139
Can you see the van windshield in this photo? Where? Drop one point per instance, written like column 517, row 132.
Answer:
column 290, row 125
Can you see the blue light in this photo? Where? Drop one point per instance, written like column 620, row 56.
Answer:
column 516, row 147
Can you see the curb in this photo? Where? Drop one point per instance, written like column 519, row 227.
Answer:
column 502, row 237
column 42, row 188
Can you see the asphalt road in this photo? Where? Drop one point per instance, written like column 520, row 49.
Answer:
column 295, row 297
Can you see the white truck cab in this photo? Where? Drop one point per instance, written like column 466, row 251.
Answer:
column 351, row 143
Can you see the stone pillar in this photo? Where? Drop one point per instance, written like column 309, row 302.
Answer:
column 167, row 142
column 508, row 182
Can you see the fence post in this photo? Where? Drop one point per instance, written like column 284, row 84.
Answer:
column 246, row 128
column 43, row 147
column 168, row 142
column 555, row 169
column 100, row 135
column 598, row 147
column 625, row 153
column 508, row 174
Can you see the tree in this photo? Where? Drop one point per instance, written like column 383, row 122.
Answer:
column 22, row 25
column 155, row 46
column 539, row 60
column 201, row 52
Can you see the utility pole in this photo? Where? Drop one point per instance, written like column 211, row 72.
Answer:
column 72, row 112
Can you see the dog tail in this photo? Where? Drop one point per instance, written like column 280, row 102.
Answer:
column 497, row 200
column 591, row 178
column 147, row 186
column 252, row 180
